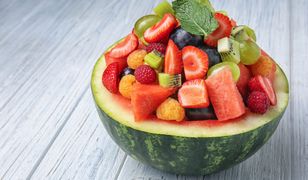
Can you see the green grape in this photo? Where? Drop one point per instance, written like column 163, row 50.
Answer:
column 233, row 67
column 143, row 40
column 163, row 8
column 250, row 32
column 144, row 23
column 243, row 33
column 250, row 52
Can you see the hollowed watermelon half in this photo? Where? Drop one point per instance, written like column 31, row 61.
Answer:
column 189, row 147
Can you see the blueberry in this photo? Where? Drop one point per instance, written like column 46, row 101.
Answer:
column 127, row 71
column 182, row 38
column 200, row 113
column 213, row 54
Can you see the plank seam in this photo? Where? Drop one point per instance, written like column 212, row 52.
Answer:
column 120, row 168
column 291, row 45
column 42, row 156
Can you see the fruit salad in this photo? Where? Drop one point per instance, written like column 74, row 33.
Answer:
column 188, row 62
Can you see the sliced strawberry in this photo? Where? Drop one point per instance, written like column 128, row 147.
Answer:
column 193, row 94
column 111, row 77
column 161, row 30
column 263, row 84
column 124, row 48
column 173, row 59
column 224, row 30
column 196, row 63
column 233, row 22
column 122, row 61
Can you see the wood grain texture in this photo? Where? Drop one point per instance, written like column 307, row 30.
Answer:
column 299, row 89
column 82, row 150
column 49, row 127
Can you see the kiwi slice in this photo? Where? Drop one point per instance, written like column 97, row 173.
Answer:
column 243, row 33
column 229, row 50
column 154, row 59
column 168, row 80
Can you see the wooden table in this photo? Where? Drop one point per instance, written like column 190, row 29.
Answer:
column 49, row 128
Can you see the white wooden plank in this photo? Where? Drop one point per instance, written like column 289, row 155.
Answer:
column 299, row 82
column 28, row 47
column 50, row 166
column 273, row 161
column 14, row 13
column 44, row 103
column 39, row 109
column 83, row 149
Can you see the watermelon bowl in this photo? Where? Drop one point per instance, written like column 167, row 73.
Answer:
column 187, row 147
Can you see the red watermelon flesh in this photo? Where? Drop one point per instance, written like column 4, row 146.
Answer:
column 224, row 95
column 146, row 98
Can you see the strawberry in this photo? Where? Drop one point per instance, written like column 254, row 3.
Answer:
column 233, row 23
column 173, row 59
column 265, row 67
column 224, row 30
column 122, row 61
column 193, row 94
column 258, row 102
column 111, row 77
column 196, row 63
column 161, row 30
column 160, row 47
column 242, row 83
column 124, row 48
column 145, row 74
column 263, row 84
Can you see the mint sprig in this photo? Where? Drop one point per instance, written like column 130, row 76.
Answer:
column 195, row 16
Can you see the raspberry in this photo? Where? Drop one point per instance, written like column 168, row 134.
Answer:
column 170, row 109
column 145, row 74
column 111, row 77
column 135, row 59
column 156, row 46
column 258, row 102
column 265, row 67
column 263, row 84
column 126, row 85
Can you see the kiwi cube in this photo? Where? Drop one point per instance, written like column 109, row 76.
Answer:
column 168, row 80
column 229, row 50
column 154, row 59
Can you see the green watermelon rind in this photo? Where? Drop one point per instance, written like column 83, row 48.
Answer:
column 187, row 155
column 180, row 153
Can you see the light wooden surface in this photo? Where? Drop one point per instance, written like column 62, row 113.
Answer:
column 49, row 128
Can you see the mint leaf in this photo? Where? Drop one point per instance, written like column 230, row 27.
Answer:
column 195, row 17
column 208, row 4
